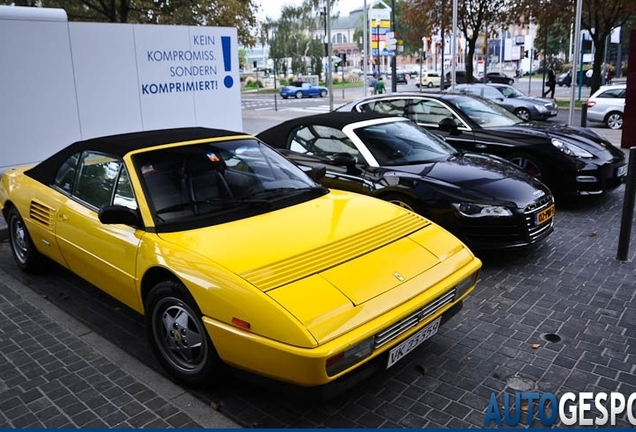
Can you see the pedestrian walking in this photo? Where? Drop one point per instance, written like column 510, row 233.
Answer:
column 373, row 84
column 380, row 87
column 551, row 83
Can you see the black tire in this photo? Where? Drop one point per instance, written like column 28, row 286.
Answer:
column 430, row 85
column 323, row 93
column 511, row 82
column 523, row 113
column 614, row 120
column 528, row 164
column 299, row 95
column 23, row 249
column 178, row 337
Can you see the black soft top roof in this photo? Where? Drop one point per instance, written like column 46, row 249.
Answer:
column 277, row 135
column 119, row 145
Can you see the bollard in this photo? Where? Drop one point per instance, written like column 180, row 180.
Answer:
column 628, row 208
column 584, row 114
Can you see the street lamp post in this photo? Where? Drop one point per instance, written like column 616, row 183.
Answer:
column 394, row 56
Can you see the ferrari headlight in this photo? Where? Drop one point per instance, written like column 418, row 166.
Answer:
column 349, row 357
column 570, row 149
column 474, row 210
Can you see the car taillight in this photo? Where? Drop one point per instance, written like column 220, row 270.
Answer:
column 590, row 104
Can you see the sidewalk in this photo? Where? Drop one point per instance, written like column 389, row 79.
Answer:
column 57, row 373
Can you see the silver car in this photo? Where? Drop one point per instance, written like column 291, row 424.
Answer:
column 607, row 105
column 523, row 106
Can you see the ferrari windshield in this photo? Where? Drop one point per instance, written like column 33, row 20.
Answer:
column 486, row 113
column 403, row 143
column 224, row 180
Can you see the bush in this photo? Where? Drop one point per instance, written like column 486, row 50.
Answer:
column 253, row 83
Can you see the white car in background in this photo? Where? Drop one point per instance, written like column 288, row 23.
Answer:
column 607, row 105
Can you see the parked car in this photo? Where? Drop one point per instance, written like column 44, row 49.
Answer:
column 192, row 227
column 607, row 105
column 394, row 159
column 401, row 78
column 299, row 90
column 565, row 79
column 570, row 160
column 429, row 79
column 515, row 101
column 499, row 77
column 461, row 78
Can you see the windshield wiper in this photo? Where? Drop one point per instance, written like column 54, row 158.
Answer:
column 315, row 189
column 224, row 201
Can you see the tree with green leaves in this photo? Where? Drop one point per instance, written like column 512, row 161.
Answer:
column 224, row 13
column 292, row 36
column 474, row 17
column 598, row 17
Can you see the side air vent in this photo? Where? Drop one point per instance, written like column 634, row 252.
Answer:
column 41, row 214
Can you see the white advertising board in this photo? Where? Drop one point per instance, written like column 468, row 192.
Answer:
column 65, row 81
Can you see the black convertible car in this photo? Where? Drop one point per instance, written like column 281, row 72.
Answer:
column 486, row 201
column 570, row 160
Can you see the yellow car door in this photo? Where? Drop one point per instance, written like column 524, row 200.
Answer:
column 104, row 255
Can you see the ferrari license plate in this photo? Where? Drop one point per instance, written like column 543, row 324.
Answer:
column 544, row 215
column 413, row 342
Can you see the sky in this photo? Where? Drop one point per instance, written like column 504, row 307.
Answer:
column 271, row 8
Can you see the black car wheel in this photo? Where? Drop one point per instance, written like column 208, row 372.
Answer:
column 177, row 334
column 429, row 85
column 299, row 95
column 614, row 120
column 527, row 163
column 24, row 252
column 323, row 93
column 523, row 113
column 511, row 82
column 401, row 201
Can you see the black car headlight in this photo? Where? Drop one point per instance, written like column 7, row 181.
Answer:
column 474, row 210
column 570, row 149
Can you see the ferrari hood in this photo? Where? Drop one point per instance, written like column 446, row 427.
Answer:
column 279, row 247
column 369, row 258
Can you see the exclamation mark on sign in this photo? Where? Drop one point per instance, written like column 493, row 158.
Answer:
column 227, row 60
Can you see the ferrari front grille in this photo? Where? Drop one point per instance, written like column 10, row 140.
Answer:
column 388, row 334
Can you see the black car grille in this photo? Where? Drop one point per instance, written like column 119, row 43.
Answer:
column 515, row 231
column 388, row 334
column 537, row 230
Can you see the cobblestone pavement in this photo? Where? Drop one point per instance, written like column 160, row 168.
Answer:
column 559, row 317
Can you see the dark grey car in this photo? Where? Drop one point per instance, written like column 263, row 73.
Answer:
column 499, row 77
column 515, row 101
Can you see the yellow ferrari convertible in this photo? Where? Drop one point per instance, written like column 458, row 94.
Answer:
column 235, row 256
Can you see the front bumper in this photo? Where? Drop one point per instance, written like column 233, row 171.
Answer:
column 307, row 366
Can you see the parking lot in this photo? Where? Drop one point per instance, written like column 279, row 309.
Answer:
column 555, row 318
